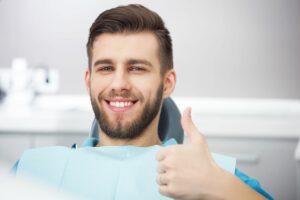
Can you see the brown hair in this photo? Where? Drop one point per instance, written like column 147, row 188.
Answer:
column 133, row 18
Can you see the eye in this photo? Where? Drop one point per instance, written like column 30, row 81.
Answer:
column 136, row 68
column 105, row 68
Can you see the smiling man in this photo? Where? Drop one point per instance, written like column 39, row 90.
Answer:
column 127, row 86
column 129, row 75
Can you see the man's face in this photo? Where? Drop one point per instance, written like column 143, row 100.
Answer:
column 126, row 87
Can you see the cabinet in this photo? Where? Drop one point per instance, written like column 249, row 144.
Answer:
column 271, row 161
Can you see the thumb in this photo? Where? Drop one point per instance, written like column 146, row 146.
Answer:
column 189, row 127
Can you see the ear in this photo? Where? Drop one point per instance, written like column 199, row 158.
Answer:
column 169, row 82
column 87, row 78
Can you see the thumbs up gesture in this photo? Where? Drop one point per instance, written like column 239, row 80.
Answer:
column 188, row 171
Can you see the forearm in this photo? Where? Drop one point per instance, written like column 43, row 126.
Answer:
column 230, row 187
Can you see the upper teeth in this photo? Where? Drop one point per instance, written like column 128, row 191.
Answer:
column 120, row 104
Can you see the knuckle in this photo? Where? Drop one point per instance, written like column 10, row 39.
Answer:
column 170, row 163
column 177, row 149
column 164, row 180
column 173, row 149
column 171, row 176
column 159, row 168
column 163, row 189
column 170, row 190
column 170, row 151
column 164, row 166
column 160, row 155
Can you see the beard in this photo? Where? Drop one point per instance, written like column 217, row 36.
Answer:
column 134, row 128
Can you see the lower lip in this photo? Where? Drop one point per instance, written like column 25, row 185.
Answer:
column 120, row 109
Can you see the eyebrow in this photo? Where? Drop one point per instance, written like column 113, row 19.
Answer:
column 103, row 61
column 128, row 62
column 139, row 61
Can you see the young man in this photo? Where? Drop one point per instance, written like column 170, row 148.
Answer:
column 130, row 73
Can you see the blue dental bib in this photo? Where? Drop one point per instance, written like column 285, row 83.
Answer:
column 107, row 173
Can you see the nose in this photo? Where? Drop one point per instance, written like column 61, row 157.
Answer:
column 120, row 81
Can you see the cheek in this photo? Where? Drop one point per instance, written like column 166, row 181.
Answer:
column 98, row 84
column 148, row 88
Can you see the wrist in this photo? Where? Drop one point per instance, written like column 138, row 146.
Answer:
column 230, row 187
column 216, row 186
column 221, row 183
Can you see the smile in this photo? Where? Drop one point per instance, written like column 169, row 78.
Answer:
column 120, row 105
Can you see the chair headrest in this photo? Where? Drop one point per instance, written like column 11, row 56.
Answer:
column 169, row 123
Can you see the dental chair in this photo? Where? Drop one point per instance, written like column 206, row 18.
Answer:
column 169, row 123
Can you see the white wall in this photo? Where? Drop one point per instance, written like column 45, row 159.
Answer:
column 234, row 48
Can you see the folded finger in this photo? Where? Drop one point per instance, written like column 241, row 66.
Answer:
column 161, row 168
column 161, row 154
column 162, row 179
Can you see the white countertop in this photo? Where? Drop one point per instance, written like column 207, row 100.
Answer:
column 276, row 118
column 72, row 114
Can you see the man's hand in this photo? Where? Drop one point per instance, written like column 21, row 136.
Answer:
column 188, row 171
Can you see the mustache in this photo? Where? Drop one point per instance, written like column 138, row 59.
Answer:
column 124, row 94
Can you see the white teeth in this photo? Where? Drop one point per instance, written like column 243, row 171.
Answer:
column 120, row 104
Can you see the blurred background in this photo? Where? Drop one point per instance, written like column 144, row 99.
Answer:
column 237, row 63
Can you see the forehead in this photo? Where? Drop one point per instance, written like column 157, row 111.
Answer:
column 121, row 46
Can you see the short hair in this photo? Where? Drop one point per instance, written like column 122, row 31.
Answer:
column 133, row 18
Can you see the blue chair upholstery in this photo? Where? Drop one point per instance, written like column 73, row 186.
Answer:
column 169, row 123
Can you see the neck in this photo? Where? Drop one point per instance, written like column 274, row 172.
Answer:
column 149, row 137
